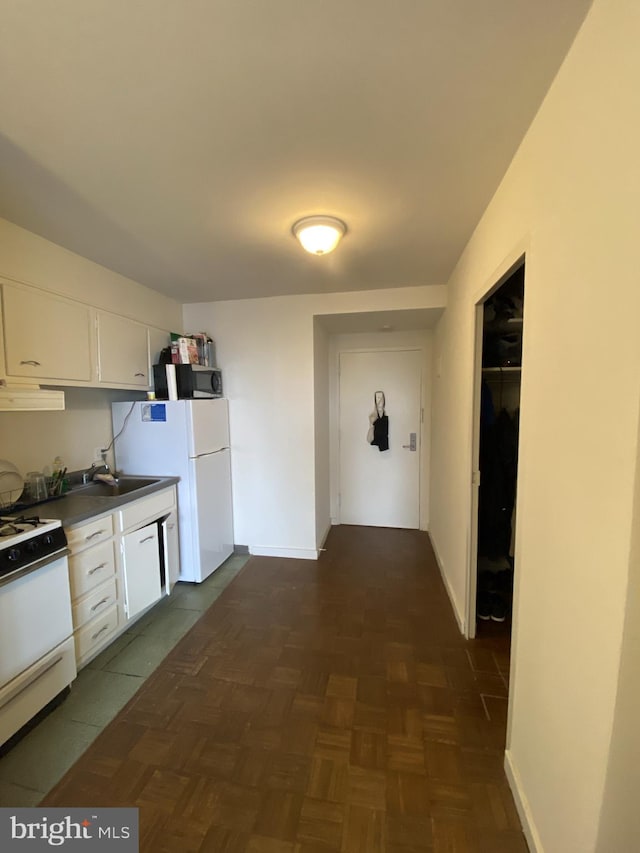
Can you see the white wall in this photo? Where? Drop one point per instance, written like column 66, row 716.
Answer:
column 571, row 199
column 620, row 821
column 266, row 350
column 420, row 340
column 32, row 439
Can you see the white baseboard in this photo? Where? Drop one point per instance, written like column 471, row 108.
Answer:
column 458, row 613
column 290, row 553
column 524, row 812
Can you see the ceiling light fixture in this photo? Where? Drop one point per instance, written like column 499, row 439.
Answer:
column 319, row 234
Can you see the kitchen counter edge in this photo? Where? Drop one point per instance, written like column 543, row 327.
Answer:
column 74, row 509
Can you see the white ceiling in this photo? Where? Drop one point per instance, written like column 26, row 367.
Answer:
column 177, row 142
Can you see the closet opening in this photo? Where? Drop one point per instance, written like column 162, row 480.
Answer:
column 497, row 435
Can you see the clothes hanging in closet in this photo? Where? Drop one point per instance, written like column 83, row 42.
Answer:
column 498, row 473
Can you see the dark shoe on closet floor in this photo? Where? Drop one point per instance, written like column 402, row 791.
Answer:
column 498, row 609
column 483, row 605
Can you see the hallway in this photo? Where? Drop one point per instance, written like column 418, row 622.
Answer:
column 329, row 706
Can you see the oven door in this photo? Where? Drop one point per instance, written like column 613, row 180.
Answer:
column 35, row 616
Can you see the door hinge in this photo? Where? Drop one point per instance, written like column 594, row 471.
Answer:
column 475, row 478
column 422, row 415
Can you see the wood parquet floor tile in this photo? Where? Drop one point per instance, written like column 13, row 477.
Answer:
column 317, row 707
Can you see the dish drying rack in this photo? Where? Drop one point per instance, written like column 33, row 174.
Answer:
column 16, row 499
column 7, row 500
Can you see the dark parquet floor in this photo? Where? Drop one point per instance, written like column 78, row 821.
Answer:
column 317, row 707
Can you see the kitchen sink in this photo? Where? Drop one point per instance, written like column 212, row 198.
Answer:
column 123, row 486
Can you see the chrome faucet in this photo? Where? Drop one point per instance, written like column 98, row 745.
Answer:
column 103, row 469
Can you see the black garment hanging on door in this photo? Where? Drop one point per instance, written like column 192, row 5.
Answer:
column 381, row 432
column 380, row 424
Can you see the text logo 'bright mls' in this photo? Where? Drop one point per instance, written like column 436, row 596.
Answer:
column 56, row 833
column 36, row 829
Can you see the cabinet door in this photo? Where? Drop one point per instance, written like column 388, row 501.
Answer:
column 141, row 569
column 122, row 351
column 158, row 339
column 46, row 337
column 171, row 550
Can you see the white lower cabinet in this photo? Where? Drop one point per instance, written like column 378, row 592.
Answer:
column 96, row 602
column 141, row 559
column 94, row 586
column 116, row 568
column 91, row 567
column 95, row 635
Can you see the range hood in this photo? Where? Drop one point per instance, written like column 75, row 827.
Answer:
column 29, row 398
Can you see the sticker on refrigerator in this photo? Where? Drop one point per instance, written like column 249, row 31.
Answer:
column 154, row 412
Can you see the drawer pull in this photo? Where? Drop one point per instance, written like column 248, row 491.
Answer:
column 97, row 633
column 100, row 603
column 32, row 362
column 138, row 374
column 93, row 535
column 146, row 539
column 96, row 569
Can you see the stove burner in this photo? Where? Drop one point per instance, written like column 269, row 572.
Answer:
column 9, row 526
column 33, row 520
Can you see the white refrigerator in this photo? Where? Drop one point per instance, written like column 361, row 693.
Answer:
column 187, row 439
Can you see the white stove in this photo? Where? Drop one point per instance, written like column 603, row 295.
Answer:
column 37, row 657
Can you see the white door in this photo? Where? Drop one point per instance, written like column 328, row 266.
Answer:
column 380, row 488
column 171, row 550
column 208, row 426
column 211, row 515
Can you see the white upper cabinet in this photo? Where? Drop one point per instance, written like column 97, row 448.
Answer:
column 45, row 336
column 123, row 353
column 158, row 340
column 55, row 340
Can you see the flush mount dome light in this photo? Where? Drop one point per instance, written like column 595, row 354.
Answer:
column 319, row 234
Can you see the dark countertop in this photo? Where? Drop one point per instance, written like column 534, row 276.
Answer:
column 74, row 508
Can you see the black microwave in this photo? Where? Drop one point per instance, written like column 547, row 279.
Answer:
column 186, row 381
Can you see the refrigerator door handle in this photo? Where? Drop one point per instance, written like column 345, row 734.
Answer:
column 210, row 452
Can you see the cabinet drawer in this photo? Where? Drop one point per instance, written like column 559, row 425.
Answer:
column 91, row 567
column 136, row 513
column 90, row 534
column 95, row 604
column 95, row 633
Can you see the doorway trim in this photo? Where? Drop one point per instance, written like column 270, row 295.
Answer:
column 409, row 339
column 510, row 264
column 421, row 405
